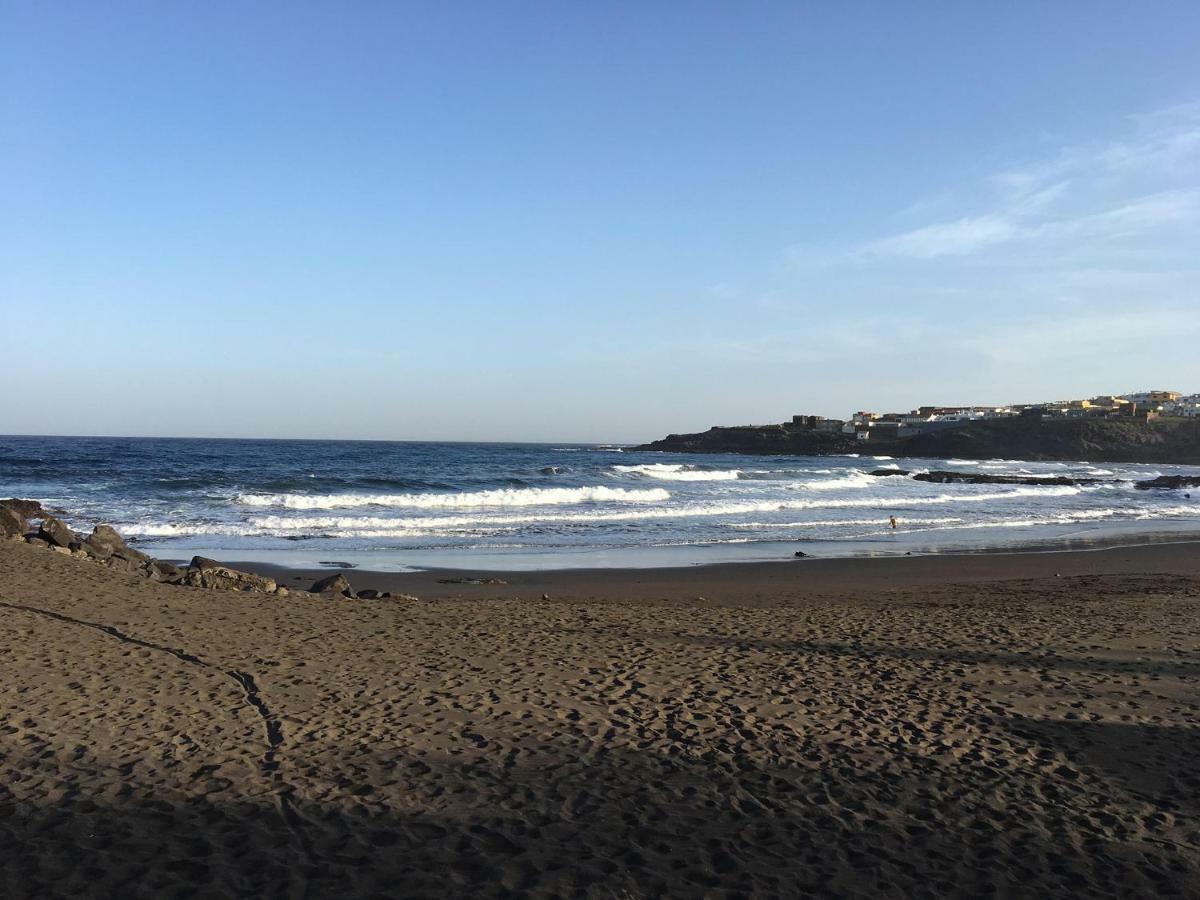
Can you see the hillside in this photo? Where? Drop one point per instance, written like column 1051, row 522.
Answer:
column 1170, row 441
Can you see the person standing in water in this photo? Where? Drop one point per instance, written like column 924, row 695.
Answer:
column 892, row 522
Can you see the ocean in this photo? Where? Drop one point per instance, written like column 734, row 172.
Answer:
column 398, row 506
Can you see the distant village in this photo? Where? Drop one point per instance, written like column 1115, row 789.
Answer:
column 870, row 426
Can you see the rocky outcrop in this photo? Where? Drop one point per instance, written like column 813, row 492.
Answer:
column 982, row 478
column 1163, row 441
column 105, row 546
column 26, row 509
column 757, row 439
column 884, row 473
column 1169, row 482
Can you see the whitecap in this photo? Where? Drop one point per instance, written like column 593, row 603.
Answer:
column 679, row 472
column 498, row 497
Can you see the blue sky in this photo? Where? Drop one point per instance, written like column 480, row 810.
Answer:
column 549, row 221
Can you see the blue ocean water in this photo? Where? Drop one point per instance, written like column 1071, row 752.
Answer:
column 398, row 505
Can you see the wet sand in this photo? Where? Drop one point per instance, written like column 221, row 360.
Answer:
column 1008, row 725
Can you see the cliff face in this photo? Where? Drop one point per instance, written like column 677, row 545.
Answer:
column 1175, row 441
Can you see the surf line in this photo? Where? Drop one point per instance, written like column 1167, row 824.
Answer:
column 251, row 696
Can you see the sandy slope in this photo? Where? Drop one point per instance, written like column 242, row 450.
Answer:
column 1019, row 737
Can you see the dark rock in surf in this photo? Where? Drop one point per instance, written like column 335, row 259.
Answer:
column 981, row 478
column 1169, row 482
column 884, row 473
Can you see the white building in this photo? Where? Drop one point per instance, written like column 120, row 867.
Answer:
column 1188, row 405
column 1151, row 399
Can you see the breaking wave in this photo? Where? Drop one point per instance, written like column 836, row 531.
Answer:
column 853, row 479
column 498, row 497
column 679, row 472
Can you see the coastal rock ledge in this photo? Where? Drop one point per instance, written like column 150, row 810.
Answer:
column 105, row 546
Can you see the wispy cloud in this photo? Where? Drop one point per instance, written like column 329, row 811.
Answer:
column 1092, row 191
column 965, row 235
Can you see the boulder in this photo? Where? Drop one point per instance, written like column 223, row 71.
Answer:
column 164, row 571
column 134, row 556
column 106, row 540
column 372, row 594
column 26, row 509
column 36, row 540
column 56, row 533
column 97, row 553
column 884, row 473
column 333, row 586
column 208, row 573
column 12, row 524
column 121, row 564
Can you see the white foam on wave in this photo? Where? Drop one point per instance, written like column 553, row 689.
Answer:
column 830, row 523
column 679, row 472
column 496, row 518
column 382, row 528
column 852, row 479
column 498, row 497
column 501, row 523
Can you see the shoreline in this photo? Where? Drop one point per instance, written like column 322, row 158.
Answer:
column 677, row 556
column 798, row 577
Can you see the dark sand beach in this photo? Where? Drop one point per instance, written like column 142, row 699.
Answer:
column 1023, row 725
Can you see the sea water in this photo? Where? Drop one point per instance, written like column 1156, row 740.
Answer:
column 392, row 505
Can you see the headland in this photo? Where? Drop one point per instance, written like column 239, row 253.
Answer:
column 1159, row 440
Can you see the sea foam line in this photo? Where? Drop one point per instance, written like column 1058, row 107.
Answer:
column 498, row 497
column 282, row 525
